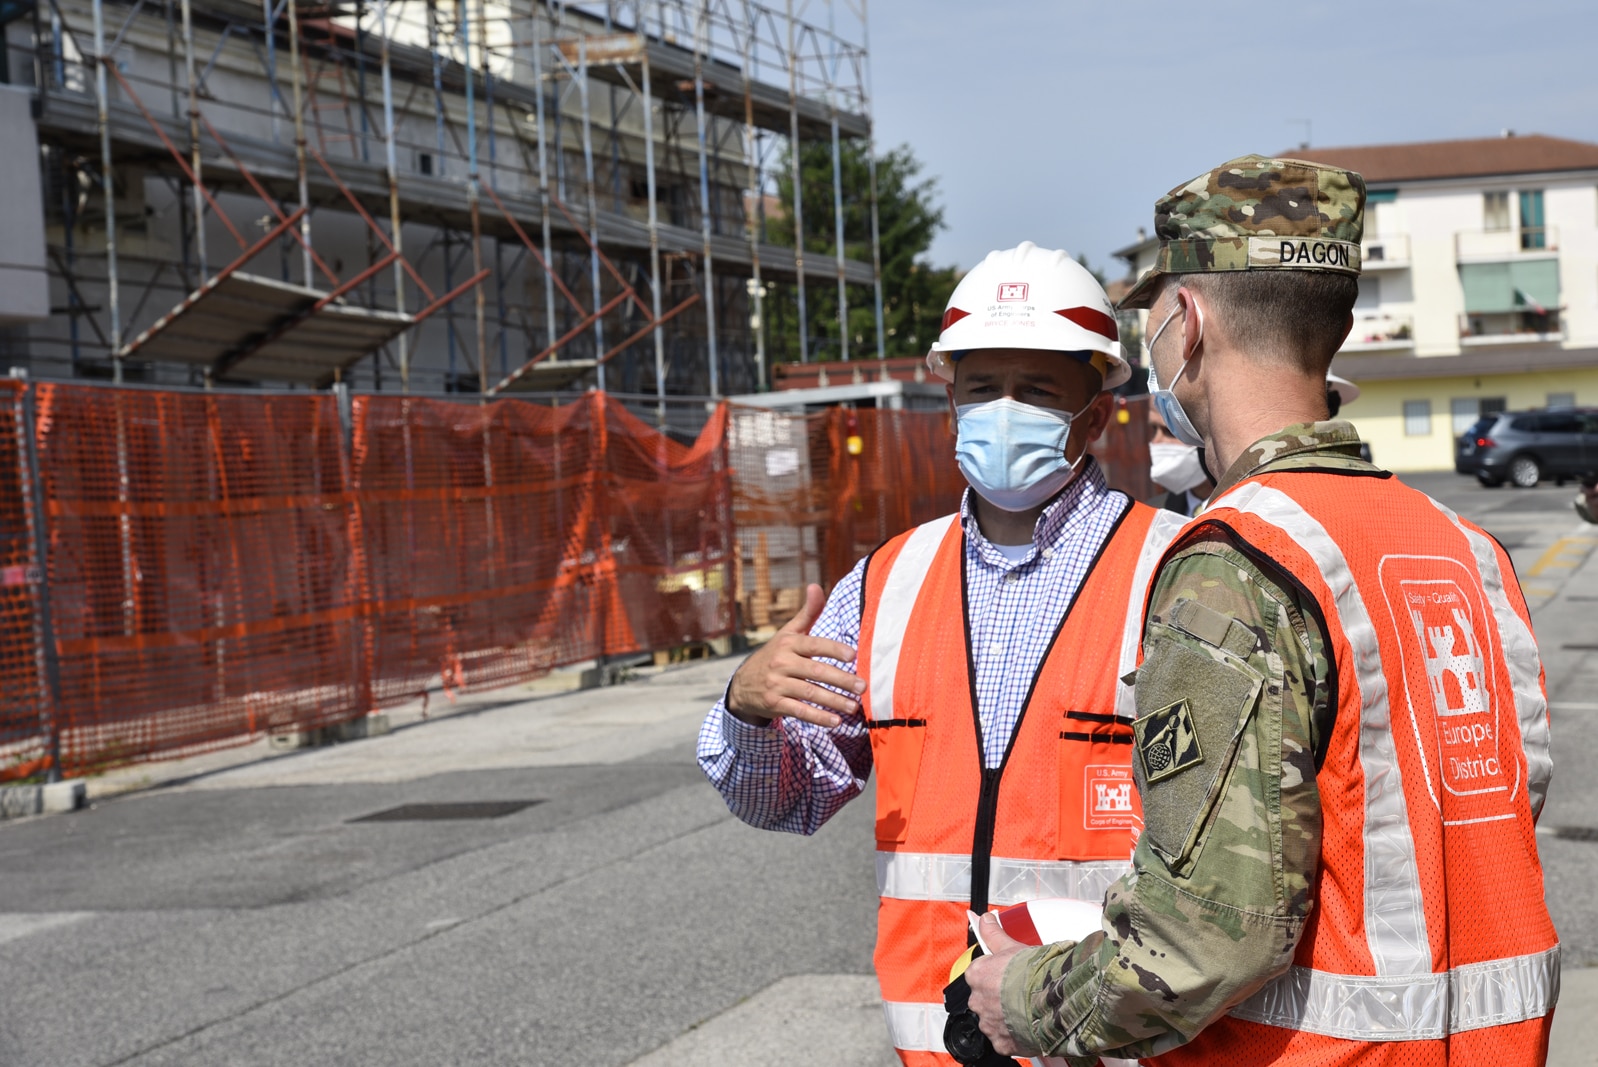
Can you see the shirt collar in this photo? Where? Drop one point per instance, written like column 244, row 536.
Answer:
column 1085, row 495
column 1332, row 435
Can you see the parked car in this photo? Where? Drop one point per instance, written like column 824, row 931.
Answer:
column 1526, row 447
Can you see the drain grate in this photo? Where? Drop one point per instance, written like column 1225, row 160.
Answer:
column 470, row 809
column 1574, row 833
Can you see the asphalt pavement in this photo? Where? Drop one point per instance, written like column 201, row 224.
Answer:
column 539, row 876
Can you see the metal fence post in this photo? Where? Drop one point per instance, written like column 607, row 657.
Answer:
column 44, row 640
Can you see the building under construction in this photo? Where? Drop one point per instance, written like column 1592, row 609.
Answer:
column 429, row 195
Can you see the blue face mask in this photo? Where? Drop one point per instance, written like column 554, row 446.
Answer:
column 1013, row 454
column 1165, row 401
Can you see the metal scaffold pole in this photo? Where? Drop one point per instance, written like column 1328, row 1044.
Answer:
column 798, row 188
column 391, row 163
column 472, row 195
column 108, row 184
column 837, row 195
column 593, row 208
column 871, row 166
column 543, row 185
column 701, row 28
column 296, row 74
column 195, row 191
column 268, row 26
column 752, row 212
column 46, row 655
column 654, row 222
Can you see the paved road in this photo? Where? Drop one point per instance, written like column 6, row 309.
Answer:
column 242, row 913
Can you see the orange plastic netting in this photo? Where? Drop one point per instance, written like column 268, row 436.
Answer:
column 24, row 712
column 201, row 574
column 507, row 539
column 223, row 564
column 807, row 507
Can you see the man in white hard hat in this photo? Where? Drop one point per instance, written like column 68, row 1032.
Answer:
column 990, row 646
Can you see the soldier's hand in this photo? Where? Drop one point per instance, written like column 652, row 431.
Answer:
column 782, row 677
column 985, row 976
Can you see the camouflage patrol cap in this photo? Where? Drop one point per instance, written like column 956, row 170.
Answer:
column 1257, row 213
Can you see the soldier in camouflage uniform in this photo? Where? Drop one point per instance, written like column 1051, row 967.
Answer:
column 1224, row 875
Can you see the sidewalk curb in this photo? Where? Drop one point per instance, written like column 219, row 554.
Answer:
column 22, row 801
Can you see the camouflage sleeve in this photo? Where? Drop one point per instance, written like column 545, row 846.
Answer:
column 1222, row 876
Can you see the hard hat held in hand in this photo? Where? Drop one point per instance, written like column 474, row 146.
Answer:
column 1031, row 297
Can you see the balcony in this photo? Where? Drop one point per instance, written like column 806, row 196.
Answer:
column 1380, row 332
column 1506, row 244
column 1541, row 326
column 1519, row 327
column 1387, row 252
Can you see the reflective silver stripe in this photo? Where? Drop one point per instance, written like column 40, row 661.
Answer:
column 1395, row 917
column 1525, row 667
column 923, row 876
column 893, row 609
column 915, row 1027
column 1409, row 1007
column 1014, row 881
column 1166, row 525
column 947, row 876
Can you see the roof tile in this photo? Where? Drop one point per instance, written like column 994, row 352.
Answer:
column 1479, row 158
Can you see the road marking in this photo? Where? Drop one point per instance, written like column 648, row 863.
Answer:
column 1562, row 547
column 1571, row 705
column 17, row 925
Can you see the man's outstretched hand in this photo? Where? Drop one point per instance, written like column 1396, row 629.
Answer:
column 783, row 677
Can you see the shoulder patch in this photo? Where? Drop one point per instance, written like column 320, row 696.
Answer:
column 1167, row 741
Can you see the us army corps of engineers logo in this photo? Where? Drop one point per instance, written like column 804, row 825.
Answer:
column 1167, row 741
column 1446, row 640
column 1109, row 801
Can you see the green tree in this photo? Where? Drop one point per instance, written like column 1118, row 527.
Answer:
column 914, row 291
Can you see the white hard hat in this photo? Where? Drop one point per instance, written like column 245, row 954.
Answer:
column 1030, row 297
column 1347, row 392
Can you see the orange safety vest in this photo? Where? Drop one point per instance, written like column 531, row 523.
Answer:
column 1059, row 818
column 1429, row 943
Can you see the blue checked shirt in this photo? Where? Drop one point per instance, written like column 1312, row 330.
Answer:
column 794, row 775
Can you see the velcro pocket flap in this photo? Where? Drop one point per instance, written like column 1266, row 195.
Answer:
column 1194, row 700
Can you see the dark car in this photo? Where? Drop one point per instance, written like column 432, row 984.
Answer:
column 1526, row 447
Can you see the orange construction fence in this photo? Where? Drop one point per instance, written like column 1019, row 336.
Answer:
column 182, row 570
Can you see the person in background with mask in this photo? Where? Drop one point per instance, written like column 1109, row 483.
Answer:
column 1177, row 468
column 1025, row 603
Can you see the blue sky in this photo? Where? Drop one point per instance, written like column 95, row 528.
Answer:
column 1061, row 122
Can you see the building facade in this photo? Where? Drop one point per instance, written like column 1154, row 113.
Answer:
column 433, row 195
column 1479, row 291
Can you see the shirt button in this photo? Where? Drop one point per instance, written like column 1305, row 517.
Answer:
column 1012, row 577
column 1048, row 553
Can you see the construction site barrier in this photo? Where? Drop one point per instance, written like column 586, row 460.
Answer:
column 505, row 539
column 812, row 494
column 184, row 570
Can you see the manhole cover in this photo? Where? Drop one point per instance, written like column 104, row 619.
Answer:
column 470, row 809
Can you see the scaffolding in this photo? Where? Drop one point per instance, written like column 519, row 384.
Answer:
column 457, row 195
